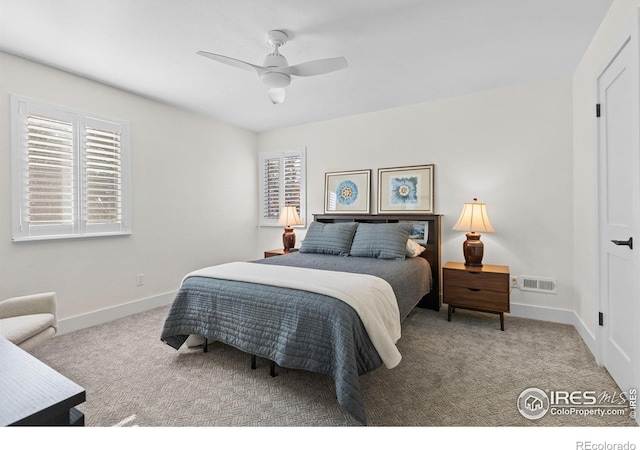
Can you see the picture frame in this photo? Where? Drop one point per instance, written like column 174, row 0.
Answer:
column 347, row 192
column 419, row 231
column 407, row 190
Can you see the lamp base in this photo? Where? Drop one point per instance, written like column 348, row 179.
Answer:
column 288, row 239
column 473, row 250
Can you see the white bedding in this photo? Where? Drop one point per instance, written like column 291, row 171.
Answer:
column 371, row 297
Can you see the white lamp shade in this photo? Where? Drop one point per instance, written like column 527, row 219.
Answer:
column 474, row 218
column 289, row 216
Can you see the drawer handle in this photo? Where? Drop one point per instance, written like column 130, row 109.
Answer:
column 474, row 289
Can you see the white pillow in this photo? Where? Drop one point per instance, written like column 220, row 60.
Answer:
column 413, row 248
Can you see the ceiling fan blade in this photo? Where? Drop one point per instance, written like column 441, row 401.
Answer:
column 233, row 62
column 318, row 67
column 276, row 95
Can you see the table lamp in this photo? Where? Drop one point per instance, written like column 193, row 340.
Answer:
column 289, row 217
column 474, row 219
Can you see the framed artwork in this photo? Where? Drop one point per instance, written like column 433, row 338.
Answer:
column 406, row 190
column 347, row 192
column 419, row 232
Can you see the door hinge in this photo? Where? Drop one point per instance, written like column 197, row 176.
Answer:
column 600, row 319
column 597, row 109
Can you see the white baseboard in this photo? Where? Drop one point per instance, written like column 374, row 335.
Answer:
column 112, row 313
column 542, row 313
column 559, row 316
column 588, row 338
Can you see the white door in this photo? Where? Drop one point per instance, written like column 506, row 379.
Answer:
column 619, row 206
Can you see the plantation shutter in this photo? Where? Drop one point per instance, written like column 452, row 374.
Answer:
column 70, row 173
column 271, row 188
column 292, row 180
column 50, row 171
column 43, row 173
column 102, row 199
column 282, row 183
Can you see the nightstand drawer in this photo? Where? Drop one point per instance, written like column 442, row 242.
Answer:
column 498, row 282
column 479, row 299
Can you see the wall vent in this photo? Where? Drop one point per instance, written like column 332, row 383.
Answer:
column 537, row 284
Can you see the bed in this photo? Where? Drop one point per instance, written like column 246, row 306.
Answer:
column 294, row 310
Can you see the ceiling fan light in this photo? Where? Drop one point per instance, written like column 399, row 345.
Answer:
column 275, row 79
column 276, row 95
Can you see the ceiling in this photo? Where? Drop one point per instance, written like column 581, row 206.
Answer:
column 400, row 52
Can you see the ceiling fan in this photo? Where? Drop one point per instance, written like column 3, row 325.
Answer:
column 276, row 72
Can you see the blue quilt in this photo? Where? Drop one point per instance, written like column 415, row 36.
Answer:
column 296, row 329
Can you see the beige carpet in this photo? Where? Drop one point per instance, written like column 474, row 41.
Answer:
column 461, row 373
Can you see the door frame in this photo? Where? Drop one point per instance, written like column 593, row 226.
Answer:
column 630, row 36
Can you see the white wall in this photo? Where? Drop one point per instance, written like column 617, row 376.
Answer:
column 510, row 148
column 193, row 182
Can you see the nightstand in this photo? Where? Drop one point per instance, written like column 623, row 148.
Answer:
column 278, row 252
column 484, row 288
column 274, row 252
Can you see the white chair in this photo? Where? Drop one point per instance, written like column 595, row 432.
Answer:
column 30, row 320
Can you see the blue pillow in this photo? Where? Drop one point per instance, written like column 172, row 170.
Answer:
column 329, row 238
column 383, row 240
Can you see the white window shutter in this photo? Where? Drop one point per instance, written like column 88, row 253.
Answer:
column 104, row 172
column 70, row 173
column 292, row 177
column 43, row 171
column 282, row 182
column 271, row 175
column 50, row 171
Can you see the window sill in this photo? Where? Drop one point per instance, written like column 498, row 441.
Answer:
column 70, row 236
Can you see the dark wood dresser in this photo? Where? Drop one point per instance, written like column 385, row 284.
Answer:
column 32, row 393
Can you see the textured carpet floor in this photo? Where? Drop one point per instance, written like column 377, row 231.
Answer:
column 460, row 373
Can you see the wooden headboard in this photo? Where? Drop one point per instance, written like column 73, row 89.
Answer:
column 433, row 299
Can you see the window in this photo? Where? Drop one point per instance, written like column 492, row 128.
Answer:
column 70, row 173
column 282, row 182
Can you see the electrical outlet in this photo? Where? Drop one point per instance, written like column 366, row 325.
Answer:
column 514, row 282
column 140, row 279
